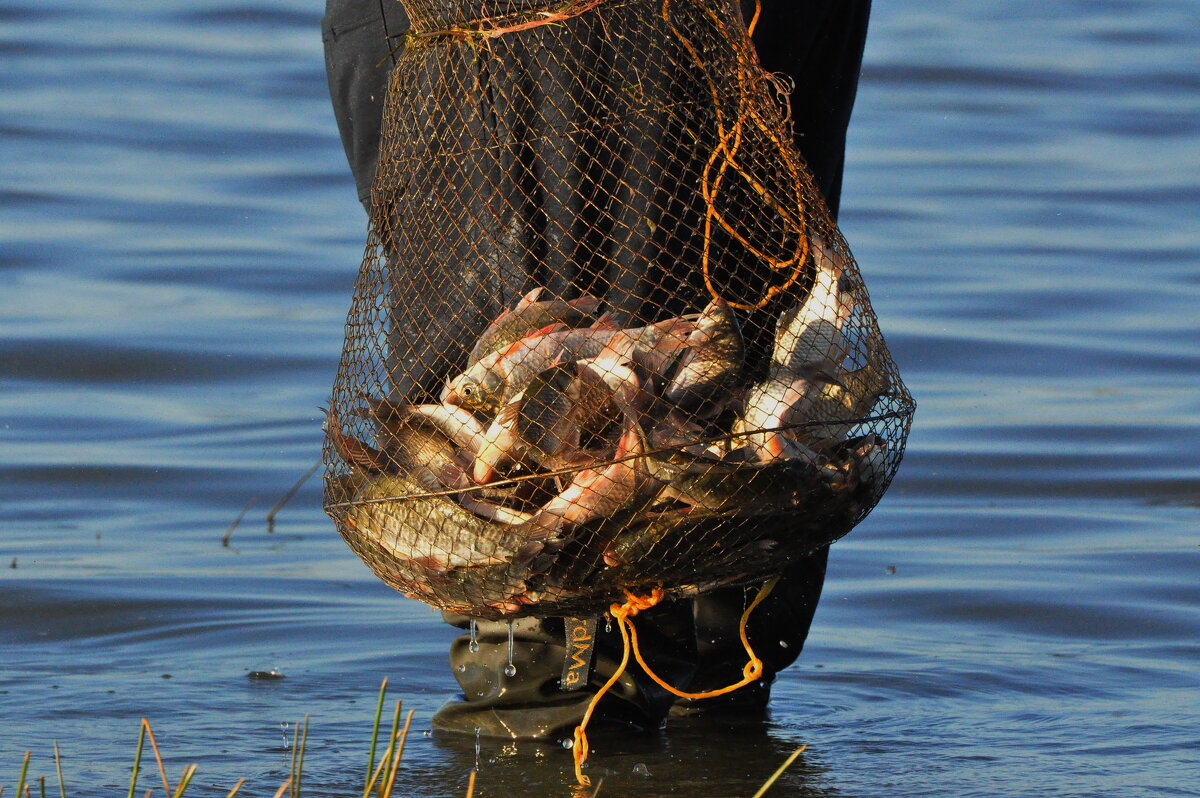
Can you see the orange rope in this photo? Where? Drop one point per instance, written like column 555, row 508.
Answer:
column 710, row 187
column 623, row 615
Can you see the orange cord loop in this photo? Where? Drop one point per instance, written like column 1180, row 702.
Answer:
column 623, row 614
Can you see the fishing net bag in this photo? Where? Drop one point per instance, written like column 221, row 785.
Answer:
column 605, row 338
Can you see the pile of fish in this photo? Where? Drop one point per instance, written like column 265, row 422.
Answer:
column 572, row 451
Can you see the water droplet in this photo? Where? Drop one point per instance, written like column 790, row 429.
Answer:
column 427, row 733
column 477, row 732
column 783, row 644
column 510, row 669
column 608, row 625
column 640, row 769
column 567, row 743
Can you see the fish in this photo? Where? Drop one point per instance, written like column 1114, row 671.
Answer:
column 811, row 332
column 597, row 492
column 532, row 313
column 428, row 458
column 782, row 400
column 546, row 422
column 711, row 364
column 497, row 378
column 456, row 423
column 353, row 451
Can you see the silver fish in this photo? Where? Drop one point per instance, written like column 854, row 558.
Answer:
column 529, row 315
column 711, row 364
column 778, row 402
column 497, row 378
column 812, row 331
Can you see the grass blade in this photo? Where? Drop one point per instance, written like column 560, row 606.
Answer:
column 24, row 770
column 185, row 780
column 387, row 771
column 157, row 757
column 387, row 756
column 300, row 761
column 62, row 789
column 375, row 729
column 292, row 768
column 387, row 793
column 137, row 758
column 775, row 776
column 236, row 787
column 42, row 786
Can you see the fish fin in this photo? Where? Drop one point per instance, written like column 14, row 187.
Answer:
column 585, row 303
column 607, row 321
column 352, row 450
column 529, row 298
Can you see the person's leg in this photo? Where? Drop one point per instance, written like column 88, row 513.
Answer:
column 360, row 38
column 819, row 46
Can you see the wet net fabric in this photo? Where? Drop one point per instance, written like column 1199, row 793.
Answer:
column 605, row 336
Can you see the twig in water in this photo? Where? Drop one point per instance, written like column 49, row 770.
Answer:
column 236, row 787
column 288, row 496
column 375, row 730
column 229, row 532
column 62, row 790
column 775, row 776
column 283, row 788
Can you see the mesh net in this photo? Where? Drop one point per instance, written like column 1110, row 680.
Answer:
column 605, row 336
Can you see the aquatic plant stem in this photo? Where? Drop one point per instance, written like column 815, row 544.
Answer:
column 157, row 757
column 137, row 757
column 387, row 771
column 283, row 788
column 300, row 761
column 24, row 770
column 387, row 793
column 471, row 785
column 236, row 787
column 288, row 496
column 62, row 789
column 184, row 780
column 375, row 728
column 775, row 776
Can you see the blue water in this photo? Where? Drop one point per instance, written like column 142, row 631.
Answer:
column 178, row 239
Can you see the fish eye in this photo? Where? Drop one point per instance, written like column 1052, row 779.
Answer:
column 468, row 390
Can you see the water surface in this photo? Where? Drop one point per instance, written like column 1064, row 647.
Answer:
column 178, row 239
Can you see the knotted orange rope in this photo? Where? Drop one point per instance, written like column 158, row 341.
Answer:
column 623, row 615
